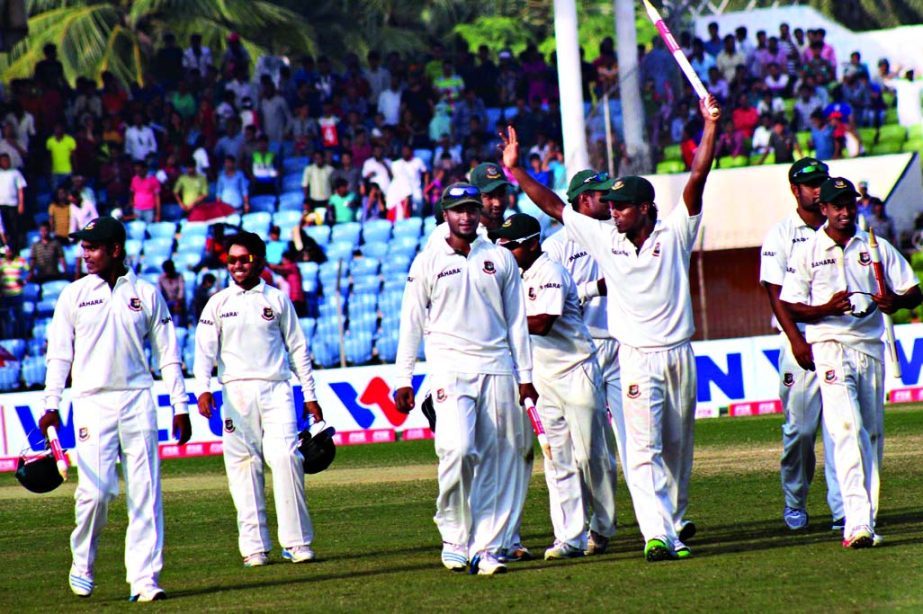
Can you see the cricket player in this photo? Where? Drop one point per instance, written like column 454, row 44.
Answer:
column 645, row 262
column 252, row 332
column 798, row 387
column 585, row 193
column 581, row 471
column 97, row 336
column 467, row 294
column 490, row 180
column 831, row 285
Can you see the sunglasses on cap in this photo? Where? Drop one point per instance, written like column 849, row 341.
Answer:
column 810, row 169
column 597, row 178
column 463, row 191
column 242, row 259
column 514, row 243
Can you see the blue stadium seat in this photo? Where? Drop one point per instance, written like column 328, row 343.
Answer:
column 189, row 229
column 307, row 327
column 233, row 219
column 339, row 250
column 347, row 232
column 292, row 201
column 36, row 346
column 191, row 242
column 257, row 222
column 262, row 204
column 386, row 346
column 45, row 308
column 326, row 353
column 403, row 246
column 291, row 182
column 493, row 117
column 365, row 266
column 285, row 220
column 33, row 371
column 359, row 348
column 396, row 263
column 274, row 251
column 321, row 234
column 426, row 155
column 182, row 337
column 135, row 229
column 429, row 223
column 161, row 230
column 31, row 292
column 16, row 347
column 158, row 245
column 152, row 275
column 376, row 231
column 186, row 260
column 51, row 289
column 409, row 227
column 389, row 301
column 172, row 212
column 362, row 304
column 295, row 164
column 308, row 270
column 374, row 250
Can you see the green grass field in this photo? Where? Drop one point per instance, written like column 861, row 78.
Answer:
column 378, row 548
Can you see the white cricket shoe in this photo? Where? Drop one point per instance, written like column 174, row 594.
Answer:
column 298, row 554
column 81, row 584
column 454, row 557
column 257, row 559
column 487, row 564
column 151, row 593
column 562, row 550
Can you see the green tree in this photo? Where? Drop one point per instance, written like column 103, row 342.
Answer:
column 93, row 36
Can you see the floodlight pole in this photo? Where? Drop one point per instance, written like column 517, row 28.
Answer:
column 570, row 86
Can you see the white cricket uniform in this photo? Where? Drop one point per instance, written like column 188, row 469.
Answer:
column 798, row 388
column 585, row 273
column 97, row 334
column 849, row 355
column 255, row 338
column 581, row 472
column 477, row 349
column 441, row 232
column 650, row 313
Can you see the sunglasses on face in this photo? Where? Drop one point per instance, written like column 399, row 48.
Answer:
column 597, row 178
column 242, row 259
column 810, row 169
column 463, row 191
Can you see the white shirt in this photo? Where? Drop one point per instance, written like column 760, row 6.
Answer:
column 778, row 246
column 389, row 105
column 82, row 214
column 140, row 142
column 251, row 335
column 441, row 233
column 550, row 290
column 200, row 62
column 584, row 270
column 100, row 333
column 411, row 172
column 820, row 268
column 472, row 309
column 378, row 171
column 650, row 307
column 11, row 181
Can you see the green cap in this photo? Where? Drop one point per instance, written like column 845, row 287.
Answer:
column 103, row 229
column 588, row 180
column 807, row 170
column 488, row 176
column 517, row 228
column 459, row 194
column 835, row 187
column 631, row 189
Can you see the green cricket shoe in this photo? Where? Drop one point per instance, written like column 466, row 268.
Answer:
column 657, row 550
column 681, row 550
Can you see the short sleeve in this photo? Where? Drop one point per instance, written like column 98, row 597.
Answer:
column 898, row 272
column 546, row 293
column 593, row 235
column 773, row 259
column 796, row 287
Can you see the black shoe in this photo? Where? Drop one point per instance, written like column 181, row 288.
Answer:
column 687, row 532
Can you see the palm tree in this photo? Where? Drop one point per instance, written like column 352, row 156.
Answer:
column 93, row 36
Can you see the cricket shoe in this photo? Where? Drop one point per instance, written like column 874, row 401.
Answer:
column 562, row 550
column 454, row 558
column 877, row 539
column 688, row 531
column 860, row 538
column 257, row 559
column 681, row 550
column 298, row 554
column 517, row 553
column 657, row 550
column 486, row 564
column 838, row 524
column 81, row 584
column 795, row 519
column 596, row 544
column 151, row 593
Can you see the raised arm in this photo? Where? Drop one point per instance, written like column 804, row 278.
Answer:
column 546, row 199
column 704, row 156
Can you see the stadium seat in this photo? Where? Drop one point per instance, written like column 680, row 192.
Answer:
column 328, row 270
column 915, row 131
column 186, row 260
column 51, row 289
column 493, row 117
column 326, row 353
column 45, row 308
column 262, row 204
column 386, row 347
column 366, row 284
column 233, row 219
column 171, row 212
column 672, row 152
column 291, row 201
column 191, row 243
column 257, row 222
column 135, row 229
column 16, row 347
column 294, row 164
column 375, row 231
column 308, row 270
column 916, row 261
column 429, row 223
column 803, row 138
column 892, row 133
column 307, row 327
column 670, row 166
column 286, row 219
column 339, row 250
column 403, row 246
column 274, row 251
column 31, row 292
column 396, row 263
column 886, row 147
column 291, row 182
column 408, row 227
column 396, row 283
column 740, row 161
column 162, row 230
column 374, row 250
column 426, row 155
column 358, row 348
column 365, row 266
column 158, row 245
column 365, row 323
column 321, row 234
column 867, row 136
column 912, row 146
column 347, row 232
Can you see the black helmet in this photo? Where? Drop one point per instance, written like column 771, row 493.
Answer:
column 318, row 449
column 38, row 473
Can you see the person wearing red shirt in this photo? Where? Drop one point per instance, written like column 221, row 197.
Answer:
column 745, row 117
column 289, row 270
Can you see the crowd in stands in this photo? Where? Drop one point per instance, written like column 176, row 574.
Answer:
column 327, row 161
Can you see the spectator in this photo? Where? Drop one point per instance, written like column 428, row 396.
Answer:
column 329, row 133
column 907, row 89
column 776, row 81
column 264, row 168
column 762, row 134
column 732, row 141
column 716, row 85
column 700, row 60
column 856, row 67
column 377, row 76
column 46, row 257
column 173, row 287
column 343, row 203
column 689, row 144
column 145, row 194
column 377, row 169
column 60, row 148
column 203, row 292
column 348, row 172
column 409, row 175
column 59, row 214
column 374, row 206
column 880, row 223
column 729, row 58
column 306, row 248
column 236, row 58
column 773, row 105
column 539, row 171
column 714, row 45
column 782, row 144
column 49, row 72
column 197, row 59
column 822, row 140
column 83, row 211
column 805, row 106
column 231, row 143
column 467, row 108
column 289, row 270
column 139, row 140
column 191, row 191
column 745, row 117
column 168, row 62
column 13, row 274
column 275, row 114
column 303, row 131
column 658, row 65
column 24, row 123
column 772, row 54
column 12, row 203
column 115, row 178
column 315, row 181
column 448, row 85
column 232, row 187
column 248, row 117
column 11, row 147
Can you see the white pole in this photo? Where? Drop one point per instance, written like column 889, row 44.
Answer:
column 630, row 85
column 570, row 85
column 609, row 158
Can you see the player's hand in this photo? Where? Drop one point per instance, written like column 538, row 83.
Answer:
column 804, row 355
column 206, row 403
column 49, row 418
column 527, row 391
column 182, row 428
column 888, row 303
column 403, row 397
column 710, row 109
column 509, row 147
column 313, row 408
column 838, row 304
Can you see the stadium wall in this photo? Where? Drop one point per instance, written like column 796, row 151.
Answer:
column 736, row 377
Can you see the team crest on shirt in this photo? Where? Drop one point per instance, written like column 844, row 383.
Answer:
column 268, row 314
column 83, row 434
column 134, row 303
column 865, row 259
column 229, row 426
column 634, row 391
column 532, row 294
column 489, row 267
column 441, row 395
column 830, row 376
column 656, row 252
column 788, row 380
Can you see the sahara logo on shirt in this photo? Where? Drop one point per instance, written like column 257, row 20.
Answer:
column 576, row 256
column 620, row 252
column 489, row 267
column 95, row 301
column 134, row 303
column 267, row 314
column 865, row 259
column 448, row 272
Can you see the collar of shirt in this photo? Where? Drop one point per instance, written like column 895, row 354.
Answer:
column 536, row 267
column 128, row 277
column 797, row 222
column 476, row 245
column 259, row 288
column 827, row 243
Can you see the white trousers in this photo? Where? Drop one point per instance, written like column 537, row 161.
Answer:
column 658, row 400
column 801, row 404
column 581, row 474
column 521, row 438
column 852, row 387
column 478, row 418
column 260, row 426
column 607, row 355
column 111, row 426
